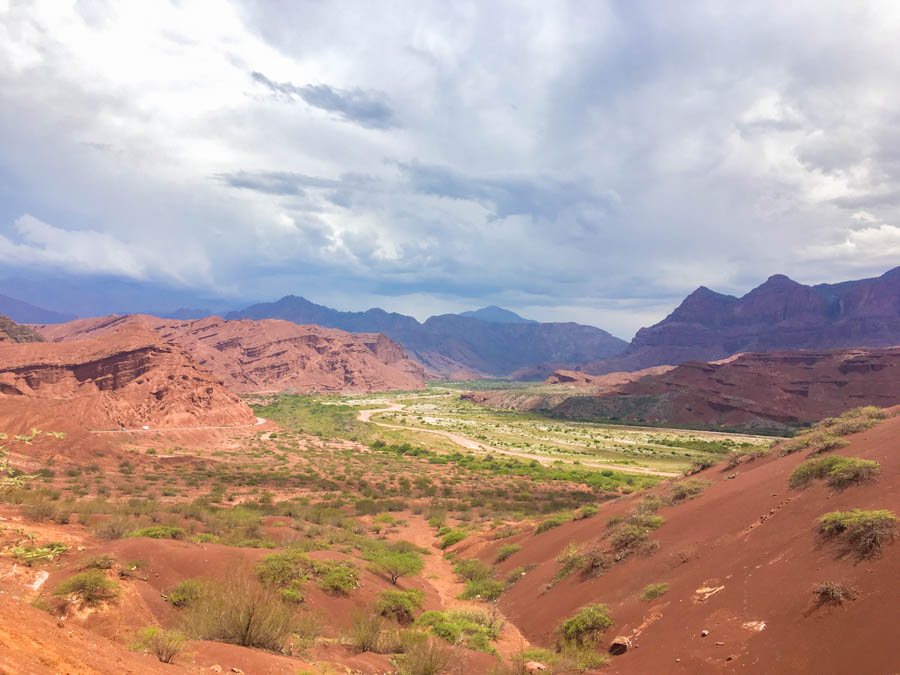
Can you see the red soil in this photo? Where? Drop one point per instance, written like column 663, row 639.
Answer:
column 742, row 554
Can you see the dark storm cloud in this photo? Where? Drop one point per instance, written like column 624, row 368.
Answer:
column 366, row 108
column 506, row 195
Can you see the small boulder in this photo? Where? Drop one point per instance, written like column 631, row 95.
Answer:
column 704, row 633
column 535, row 667
column 619, row 645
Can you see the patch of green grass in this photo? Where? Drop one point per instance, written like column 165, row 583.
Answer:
column 472, row 629
column 553, row 521
column 186, row 593
column 653, row 591
column 160, row 532
column 505, row 552
column 452, row 537
column 585, row 627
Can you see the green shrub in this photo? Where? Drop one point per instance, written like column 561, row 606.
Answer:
column 865, row 532
column 114, row 527
column 653, row 591
column 552, row 521
column 452, row 537
column 399, row 605
column 396, row 564
column 159, row 532
column 365, row 630
column 504, row 552
column 687, row 489
column 585, row 627
column 241, row 611
column 471, row 570
column 186, row 593
column 91, row 587
column 162, row 643
column 587, row 511
column 488, row 590
column 472, row 629
column 815, row 442
column 284, row 570
column 838, row 472
column 570, row 558
column 336, row 577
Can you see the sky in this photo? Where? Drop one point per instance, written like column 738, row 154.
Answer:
column 571, row 161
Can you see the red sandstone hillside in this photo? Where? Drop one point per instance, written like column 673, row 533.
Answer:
column 756, row 391
column 271, row 355
column 740, row 561
column 602, row 382
column 127, row 378
column 778, row 315
column 752, row 390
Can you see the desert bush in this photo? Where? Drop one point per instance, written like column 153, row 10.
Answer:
column 653, row 591
column 98, row 562
column 699, row 465
column 452, row 537
column 471, row 570
column 586, row 511
column 488, row 590
column 865, row 532
column 396, row 564
column 336, row 577
column 472, row 629
column 186, row 593
column 284, row 570
column 504, row 552
column 424, row 657
column 91, row 587
column 159, row 532
column 241, row 611
column 585, row 626
column 553, row 521
column 815, row 442
column 733, row 459
column 365, row 630
column 399, row 605
column 687, row 489
column 164, row 644
column 596, row 562
column 570, row 558
column 114, row 527
column 832, row 593
column 838, row 472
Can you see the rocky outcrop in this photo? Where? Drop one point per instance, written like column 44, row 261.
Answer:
column 453, row 343
column 126, row 378
column 255, row 356
column 781, row 314
column 775, row 390
column 10, row 331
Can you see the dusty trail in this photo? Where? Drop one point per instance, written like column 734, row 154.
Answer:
column 439, row 573
column 459, row 439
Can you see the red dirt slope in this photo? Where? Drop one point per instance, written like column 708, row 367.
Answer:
column 740, row 561
column 271, row 355
column 128, row 377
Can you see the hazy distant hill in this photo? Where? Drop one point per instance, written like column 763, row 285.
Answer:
column 494, row 314
column 452, row 343
column 24, row 312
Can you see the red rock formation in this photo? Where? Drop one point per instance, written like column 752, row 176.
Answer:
column 272, row 355
column 606, row 382
column 128, row 378
column 772, row 390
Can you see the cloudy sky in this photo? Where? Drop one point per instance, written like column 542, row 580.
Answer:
column 581, row 161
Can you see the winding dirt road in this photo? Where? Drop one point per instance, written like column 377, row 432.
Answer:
column 464, row 441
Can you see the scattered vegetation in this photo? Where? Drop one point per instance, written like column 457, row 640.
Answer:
column 653, row 591
column 585, row 627
column 164, row 644
column 833, row 593
column 504, row 552
column 865, row 532
column 838, row 472
column 91, row 587
column 470, row 628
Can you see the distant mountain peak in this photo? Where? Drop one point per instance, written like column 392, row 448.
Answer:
column 494, row 314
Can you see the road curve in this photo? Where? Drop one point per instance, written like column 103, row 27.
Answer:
column 459, row 439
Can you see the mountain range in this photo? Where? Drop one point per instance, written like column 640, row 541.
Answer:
column 780, row 314
column 454, row 345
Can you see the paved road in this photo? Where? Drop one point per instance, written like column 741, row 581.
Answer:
column 459, row 439
column 259, row 420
